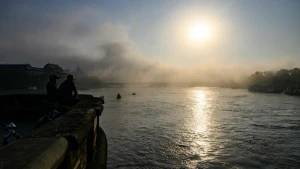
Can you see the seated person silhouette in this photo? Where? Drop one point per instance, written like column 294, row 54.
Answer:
column 68, row 92
column 52, row 91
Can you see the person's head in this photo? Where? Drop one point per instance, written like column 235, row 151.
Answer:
column 53, row 78
column 70, row 78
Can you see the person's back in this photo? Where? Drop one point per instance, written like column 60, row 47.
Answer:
column 68, row 91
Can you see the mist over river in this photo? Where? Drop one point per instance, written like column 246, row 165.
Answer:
column 195, row 127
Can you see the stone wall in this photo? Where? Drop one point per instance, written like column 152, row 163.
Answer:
column 72, row 141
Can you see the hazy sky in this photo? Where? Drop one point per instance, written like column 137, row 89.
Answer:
column 242, row 34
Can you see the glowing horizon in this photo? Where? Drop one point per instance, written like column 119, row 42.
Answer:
column 197, row 37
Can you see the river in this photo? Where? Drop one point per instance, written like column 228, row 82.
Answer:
column 195, row 127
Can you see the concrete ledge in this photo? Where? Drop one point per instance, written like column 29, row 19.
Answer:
column 87, row 102
column 100, row 157
column 74, row 125
column 70, row 141
column 34, row 153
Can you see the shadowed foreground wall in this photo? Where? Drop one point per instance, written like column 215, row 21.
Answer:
column 72, row 141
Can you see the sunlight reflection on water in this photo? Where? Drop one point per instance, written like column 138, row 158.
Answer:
column 200, row 128
column 199, row 111
column 200, row 103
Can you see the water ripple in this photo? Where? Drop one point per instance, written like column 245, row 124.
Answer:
column 200, row 128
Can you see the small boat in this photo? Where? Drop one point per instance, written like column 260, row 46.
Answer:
column 118, row 96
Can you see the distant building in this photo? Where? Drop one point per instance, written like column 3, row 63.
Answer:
column 84, row 81
column 24, row 76
column 78, row 73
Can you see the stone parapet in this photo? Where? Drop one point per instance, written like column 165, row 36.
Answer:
column 73, row 140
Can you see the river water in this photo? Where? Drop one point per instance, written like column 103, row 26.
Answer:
column 195, row 127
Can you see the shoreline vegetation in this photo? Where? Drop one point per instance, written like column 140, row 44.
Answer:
column 24, row 76
column 282, row 81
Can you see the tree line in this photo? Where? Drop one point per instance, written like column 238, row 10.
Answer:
column 279, row 80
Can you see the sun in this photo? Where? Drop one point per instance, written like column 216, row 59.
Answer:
column 199, row 33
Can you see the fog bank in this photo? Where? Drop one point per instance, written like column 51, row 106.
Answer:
column 104, row 49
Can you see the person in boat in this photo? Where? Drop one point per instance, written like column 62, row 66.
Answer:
column 118, row 96
column 52, row 91
column 68, row 92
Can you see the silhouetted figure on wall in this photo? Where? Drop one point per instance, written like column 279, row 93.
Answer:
column 52, row 91
column 68, row 92
column 118, row 96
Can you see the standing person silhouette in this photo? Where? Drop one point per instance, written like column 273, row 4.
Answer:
column 68, row 92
